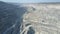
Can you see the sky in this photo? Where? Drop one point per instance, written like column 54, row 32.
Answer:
column 30, row 1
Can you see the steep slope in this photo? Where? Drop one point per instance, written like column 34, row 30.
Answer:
column 10, row 18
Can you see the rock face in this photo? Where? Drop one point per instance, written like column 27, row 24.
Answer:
column 43, row 18
column 29, row 19
column 10, row 18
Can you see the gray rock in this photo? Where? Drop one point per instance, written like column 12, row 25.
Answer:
column 10, row 18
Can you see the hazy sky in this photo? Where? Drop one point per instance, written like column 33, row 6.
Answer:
column 30, row 1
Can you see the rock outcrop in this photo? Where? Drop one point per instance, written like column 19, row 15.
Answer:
column 10, row 18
